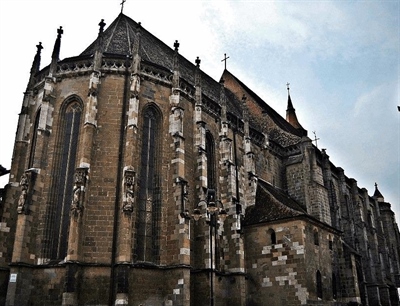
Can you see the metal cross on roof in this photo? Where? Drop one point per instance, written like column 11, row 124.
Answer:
column 122, row 5
column 315, row 139
column 224, row 60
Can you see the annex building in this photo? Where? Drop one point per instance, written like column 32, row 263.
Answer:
column 137, row 179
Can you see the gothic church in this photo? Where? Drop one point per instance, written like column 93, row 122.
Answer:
column 137, row 179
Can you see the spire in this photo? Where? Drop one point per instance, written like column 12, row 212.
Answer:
column 222, row 98
column 378, row 195
column 56, row 52
column 197, row 72
column 291, row 112
column 136, row 49
column 36, row 61
column 57, row 45
column 35, row 64
column 98, row 54
column 197, row 81
column 175, row 79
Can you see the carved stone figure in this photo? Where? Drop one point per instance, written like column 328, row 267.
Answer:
column 129, row 178
column 24, row 183
column 75, row 205
column 78, row 191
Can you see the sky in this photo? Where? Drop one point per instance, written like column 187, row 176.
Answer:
column 341, row 58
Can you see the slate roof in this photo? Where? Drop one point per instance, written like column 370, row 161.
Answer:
column 272, row 204
column 377, row 193
column 118, row 39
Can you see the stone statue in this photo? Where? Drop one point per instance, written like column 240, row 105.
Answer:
column 24, row 183
column 128, row 203
column 75, row 205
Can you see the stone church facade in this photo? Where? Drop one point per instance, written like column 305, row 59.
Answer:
column 137, row 179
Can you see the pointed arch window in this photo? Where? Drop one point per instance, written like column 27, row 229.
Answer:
column 149, row 197
column 64, row 170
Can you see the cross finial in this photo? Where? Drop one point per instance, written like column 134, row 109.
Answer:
column 176, row 45
column 101, row 24
column 122, row 5
column 39, row 47
column 198, row 62
column 315, row 139
column 287, row 86
column 60, row 31
column 224, row 60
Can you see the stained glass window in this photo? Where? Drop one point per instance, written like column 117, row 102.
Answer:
column 149, row 201
column 64, row 176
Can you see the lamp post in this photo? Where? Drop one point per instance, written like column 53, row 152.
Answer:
column 215, row 211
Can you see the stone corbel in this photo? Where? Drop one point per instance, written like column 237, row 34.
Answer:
column 129, row 189
column 80, row 179
column 27, row 183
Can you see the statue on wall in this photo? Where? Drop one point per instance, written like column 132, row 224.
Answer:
column 129, row 189
column 80, row 179
column 24, row 183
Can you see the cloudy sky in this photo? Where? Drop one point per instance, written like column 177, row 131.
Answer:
column 341, row 59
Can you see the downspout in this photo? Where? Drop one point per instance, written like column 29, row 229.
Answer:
column 118, row 183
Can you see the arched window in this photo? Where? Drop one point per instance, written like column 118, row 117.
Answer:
column 63, row 174
column 319, row 284
column 210, row 153
column 34, row 140
column 149, row 197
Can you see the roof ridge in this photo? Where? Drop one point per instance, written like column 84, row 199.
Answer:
column 277, row 118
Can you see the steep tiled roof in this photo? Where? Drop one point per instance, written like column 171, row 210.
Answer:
column 272, row 204
column 278, row 119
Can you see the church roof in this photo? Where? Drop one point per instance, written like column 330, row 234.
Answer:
column 377, row 194
column 119, row 40
column 278, row 119
column 119, row 37
column 272, row 204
